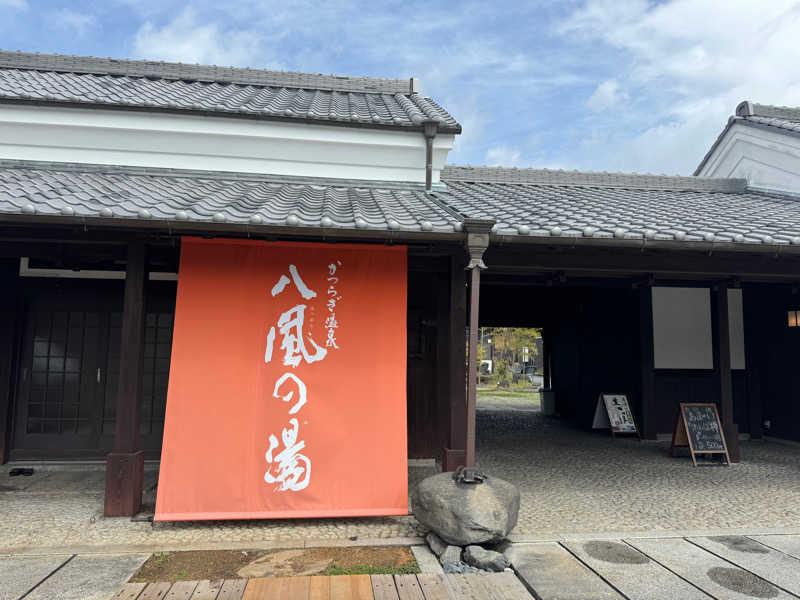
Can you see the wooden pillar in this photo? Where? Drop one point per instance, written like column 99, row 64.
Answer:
column 455, row 453
column 443, row 352
column 546, row 352
column 9, row 283
column 722, row 362
column 753, row 356
column 646, row 363
column 125, row 465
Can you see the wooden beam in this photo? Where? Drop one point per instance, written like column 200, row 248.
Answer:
column 125, row 466
column 720, row 327
column 661, row 263
column 647, row 415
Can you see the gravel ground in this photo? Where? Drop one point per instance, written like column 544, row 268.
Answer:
column 571, row 481
column 576, row 481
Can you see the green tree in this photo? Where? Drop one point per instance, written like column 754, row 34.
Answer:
column 507, row 349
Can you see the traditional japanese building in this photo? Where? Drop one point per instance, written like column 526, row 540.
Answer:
column 667, row 289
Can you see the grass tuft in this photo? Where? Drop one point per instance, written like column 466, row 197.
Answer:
column 411, row 569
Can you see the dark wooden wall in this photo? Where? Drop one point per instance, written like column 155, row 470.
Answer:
column 103, row 298
column 773, row 356
column 595, row 349
column 429, row 351
column 594, row 333
column 428, row 357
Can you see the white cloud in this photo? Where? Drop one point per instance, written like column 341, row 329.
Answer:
column 605, row 96
column 502, row 156
column 686, row 64
column 184, row 39
column 14, row 4
column 81, row 23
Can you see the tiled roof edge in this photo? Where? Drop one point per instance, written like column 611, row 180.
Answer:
column 206, row 73
column 198, row 174
column 751, row 109
column 591, row 179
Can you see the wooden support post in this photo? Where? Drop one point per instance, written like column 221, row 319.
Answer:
column 722, row 362
column 477, row 242
column 546, row 353
column 754, row 351
column 647, row 416
column 125, row 465
column 9, row 283
column 457, row 364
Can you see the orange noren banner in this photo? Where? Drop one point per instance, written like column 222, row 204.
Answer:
column 287, row 389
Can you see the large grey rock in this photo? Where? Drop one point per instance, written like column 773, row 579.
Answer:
column 488, row 560
column 466, row 513
column 436, row 544
column 451, row 554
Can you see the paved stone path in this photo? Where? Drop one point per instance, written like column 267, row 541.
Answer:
column 63, row 507
column 65, row 576
column 571, row 481
column 632, row 568
column 722, row 568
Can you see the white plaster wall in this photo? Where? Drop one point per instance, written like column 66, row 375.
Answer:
column 769, row 160
column 736, row 326
column 148, row 139
column 682, row 328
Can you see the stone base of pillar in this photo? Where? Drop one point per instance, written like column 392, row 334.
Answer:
column 124, row 480
column 452, row 459
column 732, row 441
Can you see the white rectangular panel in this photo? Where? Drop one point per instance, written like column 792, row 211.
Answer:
column 682, row 328
column 736, row 325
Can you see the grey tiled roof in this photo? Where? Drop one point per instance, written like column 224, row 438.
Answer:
column 525, row 203
column 224, row 90
column 530, row 202
column 126, row 193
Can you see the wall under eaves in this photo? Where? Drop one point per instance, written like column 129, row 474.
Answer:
column 768, row 157
column 209, row 143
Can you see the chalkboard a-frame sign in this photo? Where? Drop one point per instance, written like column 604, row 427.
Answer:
column 699, row 428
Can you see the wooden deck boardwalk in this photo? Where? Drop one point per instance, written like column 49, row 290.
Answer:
column 489, row 586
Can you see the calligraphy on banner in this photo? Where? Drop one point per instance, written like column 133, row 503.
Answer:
column 287, row 385
column 288, row 468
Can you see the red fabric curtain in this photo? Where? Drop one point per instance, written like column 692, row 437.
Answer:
column 287, row 390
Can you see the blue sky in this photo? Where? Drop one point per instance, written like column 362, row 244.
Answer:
column 616, row 85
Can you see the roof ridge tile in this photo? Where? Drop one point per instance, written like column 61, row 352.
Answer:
column 119, row 67
column 530, row 176
column 752, row 109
